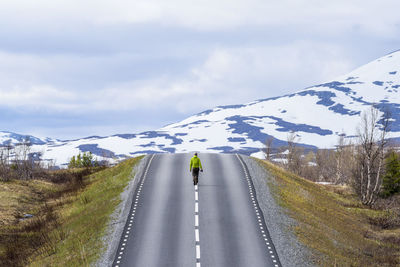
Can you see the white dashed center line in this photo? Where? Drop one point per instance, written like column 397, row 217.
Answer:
column 196, row 233
column 196, row 225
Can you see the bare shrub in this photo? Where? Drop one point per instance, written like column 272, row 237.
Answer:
column 389, row 220
column 325, row 164
column 370, row 155
column 294, row 153
column 268, row 148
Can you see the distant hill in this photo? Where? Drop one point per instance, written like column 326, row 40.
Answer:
column 9, row 138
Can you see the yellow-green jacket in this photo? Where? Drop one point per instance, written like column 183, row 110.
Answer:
column 195, row 163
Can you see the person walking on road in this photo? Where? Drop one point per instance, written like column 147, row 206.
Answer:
column 195, row 166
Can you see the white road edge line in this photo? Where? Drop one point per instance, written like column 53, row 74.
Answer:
column 133, row 212
column 270, row 250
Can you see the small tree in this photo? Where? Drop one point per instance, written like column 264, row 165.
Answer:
column 78, row 162
column 84, row 160
column 24, row 164
column 372, row 141
column 294, row 160
column 308, row 169
column 339, row 155
column 391, row 180
column 87, row 160
column 325, row 164
column 72, row 163
column 268, row 147
column 345, row 155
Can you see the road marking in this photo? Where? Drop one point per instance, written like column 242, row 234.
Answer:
column 197, row 251
column 128, row 226
column 196, row 225
column 253, row 200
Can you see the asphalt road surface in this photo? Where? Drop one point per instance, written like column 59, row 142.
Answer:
column 174, row 223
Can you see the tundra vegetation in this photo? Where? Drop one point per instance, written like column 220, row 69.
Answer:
column 369, row 163
column 85, row 160
column 351, row 216
column 55, row 217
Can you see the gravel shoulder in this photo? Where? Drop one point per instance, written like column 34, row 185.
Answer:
column 120, row 215
column 290, row 251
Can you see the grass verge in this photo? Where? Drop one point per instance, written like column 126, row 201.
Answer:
column 69, row 220
column 334, row 225
column 85, row 219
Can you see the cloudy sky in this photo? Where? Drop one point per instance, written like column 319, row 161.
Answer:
column 73, row 68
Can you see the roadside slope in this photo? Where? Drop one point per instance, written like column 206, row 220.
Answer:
column 332, row 223
column 84, row 217
column 289, row 248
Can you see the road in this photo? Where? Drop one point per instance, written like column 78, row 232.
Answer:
column 217, row 223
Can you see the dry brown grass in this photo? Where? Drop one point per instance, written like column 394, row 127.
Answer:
column 19, row 197
column 334, row 225
column 20, row 239
column 84, row 219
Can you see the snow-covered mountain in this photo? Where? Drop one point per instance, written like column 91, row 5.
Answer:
column 318, row 115
column 9, row 138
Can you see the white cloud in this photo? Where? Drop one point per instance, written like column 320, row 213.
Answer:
column 379, row 17
column 38, row 97
column 231, row 76
column 227, row 76
column 178, row 55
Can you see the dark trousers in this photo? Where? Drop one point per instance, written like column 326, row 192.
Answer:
column 195, row 173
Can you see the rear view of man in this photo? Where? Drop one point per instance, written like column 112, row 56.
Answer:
column 195, row 166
